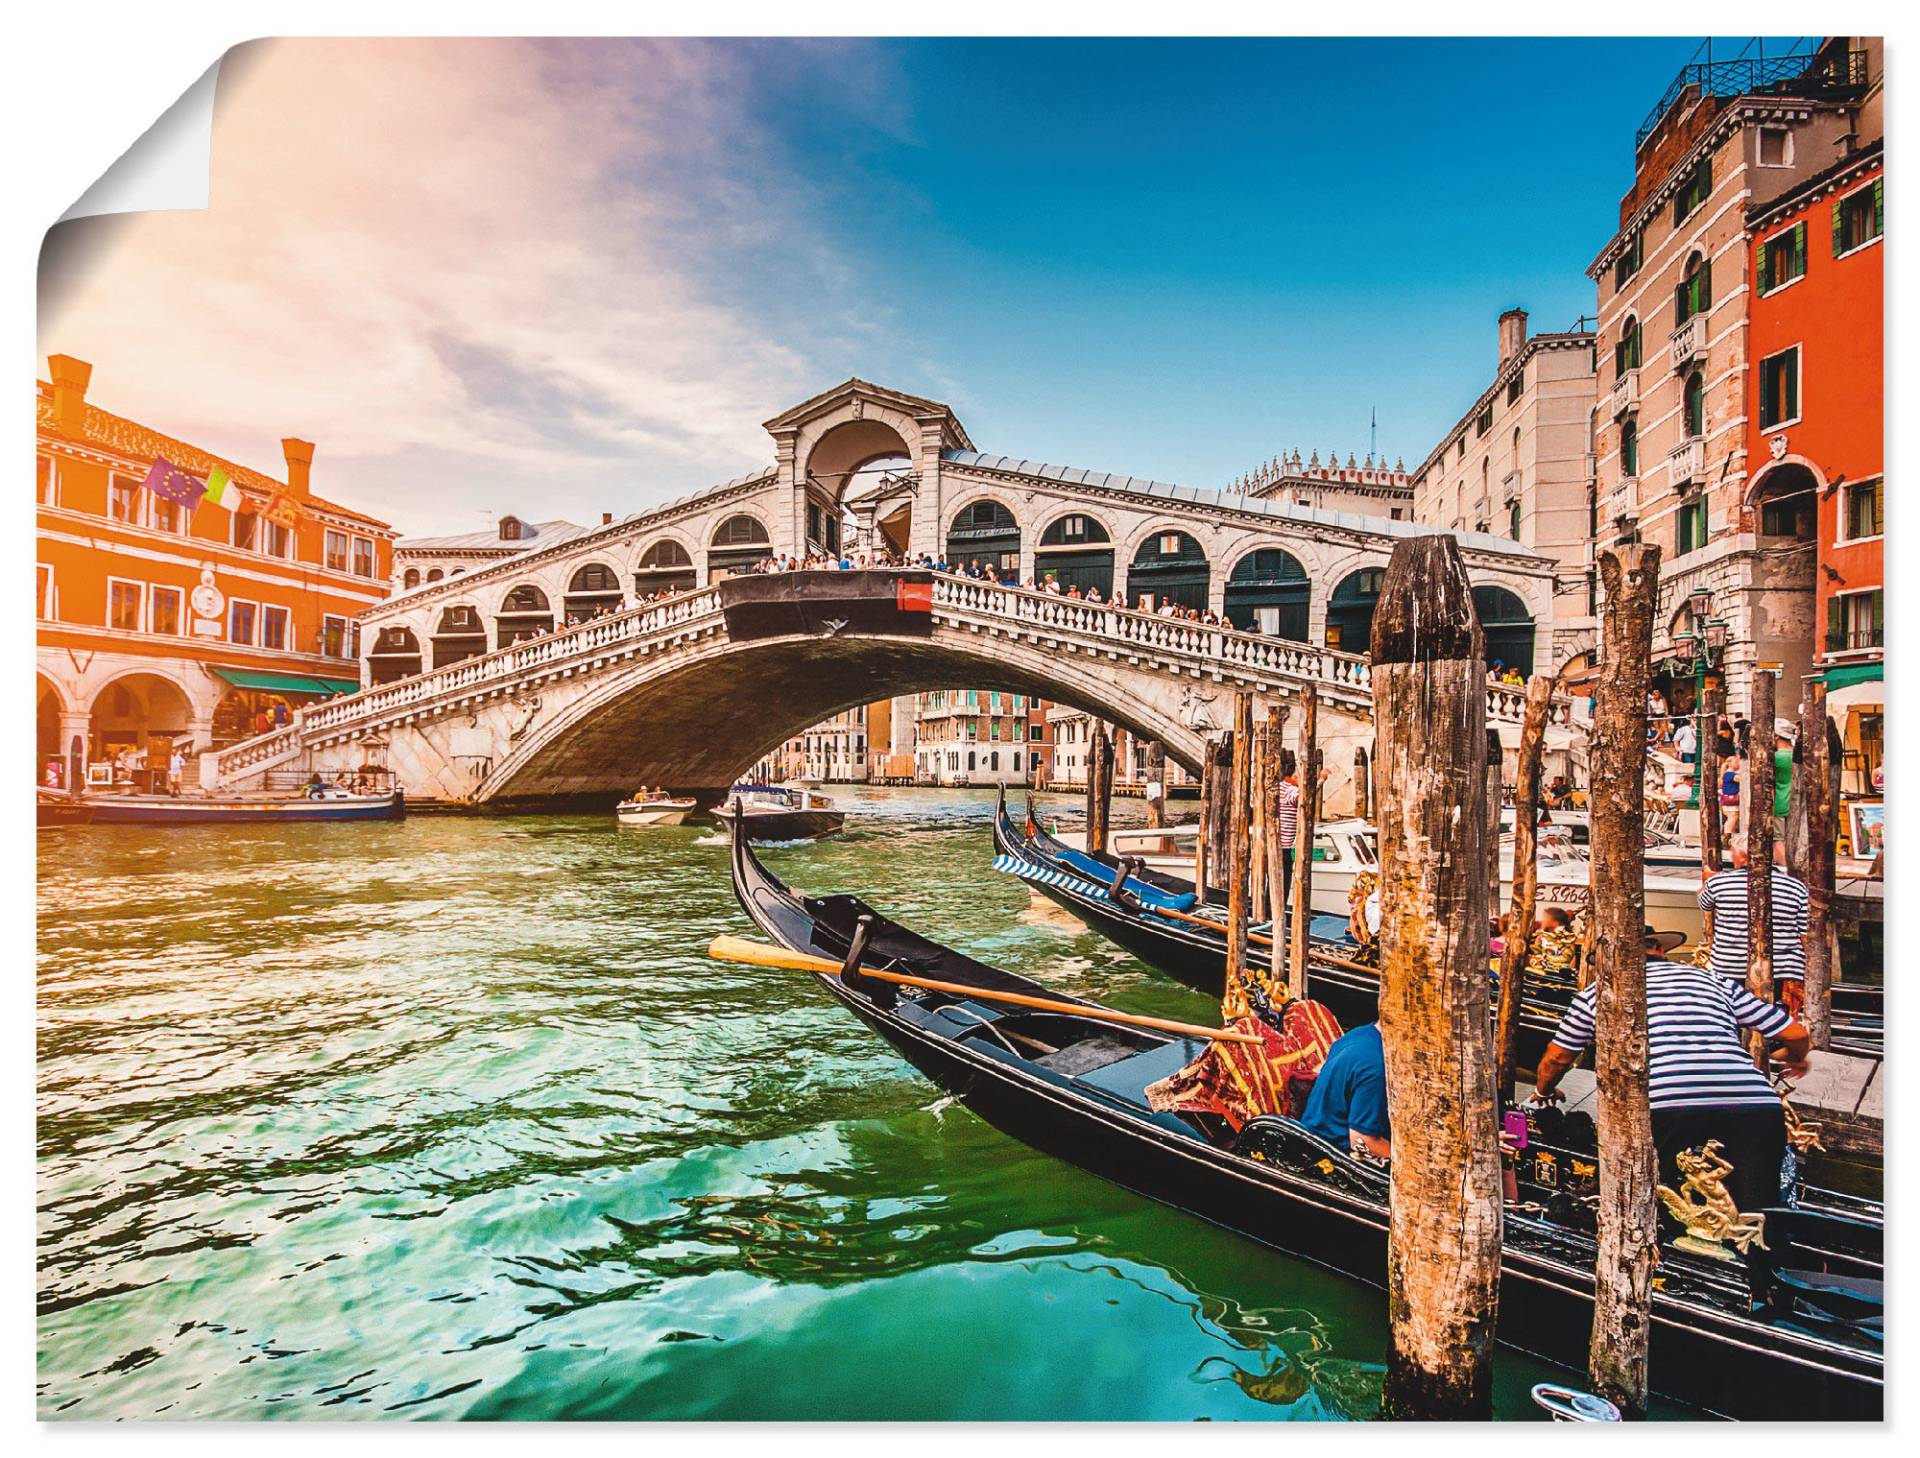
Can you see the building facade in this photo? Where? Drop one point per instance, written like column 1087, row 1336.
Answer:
column 1365, row 488
column 160, row 621
column 1072, row 731
column 973, row 737
column 1816, row 429
column 1673, row 438
column 1517, row 464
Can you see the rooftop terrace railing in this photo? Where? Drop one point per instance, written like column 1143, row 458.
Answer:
column 1802, row 71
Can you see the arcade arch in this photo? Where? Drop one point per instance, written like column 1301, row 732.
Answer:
column 593, row 589
column 1169, row 566
column 849, row 473
column 130, row 710
column 460, row 634
column 1350, row 610
column 1508, row 627
column 1267, row 592
column 395, row 655
column 1076, row 550
column 739, row 544
column 666, row 566
column 985, row 532
column 524, row 613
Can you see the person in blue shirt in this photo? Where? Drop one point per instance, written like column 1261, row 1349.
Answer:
column 1348, row 1105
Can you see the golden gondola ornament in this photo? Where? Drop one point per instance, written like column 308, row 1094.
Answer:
column 1703, row 1205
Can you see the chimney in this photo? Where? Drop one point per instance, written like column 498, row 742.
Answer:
column 299, row 464
column 70, row 379
column 606, row 518
column 1513, row 333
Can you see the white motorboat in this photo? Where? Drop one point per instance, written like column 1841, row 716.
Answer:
column 653, row 810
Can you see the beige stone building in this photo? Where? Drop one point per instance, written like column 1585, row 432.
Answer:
column 1363, row 488
column 1674, row 284
column 1516, row 465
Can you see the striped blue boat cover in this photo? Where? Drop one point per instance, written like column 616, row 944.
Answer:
column 1047, row 876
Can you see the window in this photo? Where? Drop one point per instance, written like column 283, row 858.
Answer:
column 277, row 540
column 1859, row 218
column 1515, row 386
column 1626, row 354
column 168, row 516
column 45, row 480
column 813, row 521
column 336, row 551
column 1776, row 147
column 363, row 556
column 1630, row 448
column 1630, row 259
column 1693, row 191
column 1855, row 620
column 1170, row 544
column 240, row 620
column 435, row 575
column 45, row 597
column 1696, row 404
column 1781, row 259
column 1513, row 520
column 124, row 603
column 1485, row 422
column 246, row 530
column 333, row 636
column 1780, row 388
column 1695, row 291
column 411, row 579
column 1691, row 531
column 166, row 610
column 123, row 500
column 1866, row 509
column 273, row 627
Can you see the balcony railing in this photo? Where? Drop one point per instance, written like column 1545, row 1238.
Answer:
column 1626, row 394
column 1854, row 640
column 1688, row 342
column 1686, row 461
column 1623, row 502
column 1800, row 72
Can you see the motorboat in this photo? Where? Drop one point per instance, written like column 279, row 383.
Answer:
column 781, row 812
column 319, row 801
column 654, row 809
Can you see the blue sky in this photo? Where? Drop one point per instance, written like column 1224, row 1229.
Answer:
column 567, row 277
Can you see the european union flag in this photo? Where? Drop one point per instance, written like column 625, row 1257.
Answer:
column 170, row 482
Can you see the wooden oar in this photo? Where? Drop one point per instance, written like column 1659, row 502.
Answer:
column 759, row 954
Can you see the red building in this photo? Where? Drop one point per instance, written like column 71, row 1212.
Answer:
column 1815, row 426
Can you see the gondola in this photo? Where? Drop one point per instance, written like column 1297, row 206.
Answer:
column 1084, row 882
column 1074, row 1088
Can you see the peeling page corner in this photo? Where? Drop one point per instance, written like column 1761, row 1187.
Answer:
column 168, row 168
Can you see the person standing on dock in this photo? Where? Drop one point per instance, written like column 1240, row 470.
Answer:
column 1701, row 1084
column 1725, row 895
column 1286, row 803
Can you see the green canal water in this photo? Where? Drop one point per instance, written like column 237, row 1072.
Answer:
column 454, row 1119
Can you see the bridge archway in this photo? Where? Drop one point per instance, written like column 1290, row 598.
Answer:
column 525, row 612
column 1267, row 592
column 738, row 544
column 1508, row 627
column 1076, row 550
column 395, row 655
column 1350, row 610
column 49, row 709
column 985, row 532
column 851, row 473
column 460, row 634
column 1169, row 566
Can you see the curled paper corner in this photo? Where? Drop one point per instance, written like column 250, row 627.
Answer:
column 169, row 167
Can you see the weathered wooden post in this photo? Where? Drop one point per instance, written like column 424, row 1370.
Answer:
column 1820, row 769
column 1516, row 941
column 1102, row 767
column 1362, row 783
column 1203, row 825
column 1301, row 900
column 1156, row 784
column 1257, row 822
column 1495, row 794
column 1761, row 733
column 1709, row 791
column 1276, row 859
column 1443, row 1254
column 1623, row 1275
column 1234, row 1000
column 1221, row 827
column 1092, row 792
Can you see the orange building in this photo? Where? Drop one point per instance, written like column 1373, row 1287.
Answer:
column 188, row 624
column 1816, row 426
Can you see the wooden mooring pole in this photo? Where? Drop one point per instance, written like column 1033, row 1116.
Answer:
column 1516, row 936
column 1203, row 826
column 1257, row 820
column 1443, row 1253
column 1156, row 785
column 1100, row 765
column 1623, row 1274
column 1761, row 732
column 1496, row 795
column 1233, row 1003
column 1307, row 765
column 1220, row 828
column 1362, row 784
column 1276, row 859
column 1710, row 820
column 1820, row 768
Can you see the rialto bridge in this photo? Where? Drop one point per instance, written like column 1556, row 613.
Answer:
column 618, row 657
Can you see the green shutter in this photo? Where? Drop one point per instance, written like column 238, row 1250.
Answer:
column 1834, row 622
column 1879, row 206
column 1790, row 404
column 1799, row 249
column 1879, row 609
column 1705, row 287
column 1839, row 226
column 1637, row 329
column 1763, row 279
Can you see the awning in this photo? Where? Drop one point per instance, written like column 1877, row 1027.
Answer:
column 1851, row 673
column 287, row 683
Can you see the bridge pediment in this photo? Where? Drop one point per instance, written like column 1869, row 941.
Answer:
column 858, row 399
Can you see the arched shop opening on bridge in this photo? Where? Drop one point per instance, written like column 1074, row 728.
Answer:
column 985, row 534
column 524, row 613
column 460, row 634
column 133, row 713
column 1267, row 593
column 1075, row 551
column 1350, row 610
column 740, row 543
column 1169, row 567
column 666, row 566
column 395, row 655
column 592, row 590
column 1508, row 628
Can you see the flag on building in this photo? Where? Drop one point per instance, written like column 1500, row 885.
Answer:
column 168, row 481
column 221, row 490
column 283, row 510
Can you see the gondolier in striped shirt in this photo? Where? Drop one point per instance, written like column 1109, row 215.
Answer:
column 1725, row 895
column 1701, row 1084
column 1286, row 803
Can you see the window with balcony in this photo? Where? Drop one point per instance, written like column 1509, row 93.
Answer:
column 336, row 551
column 1695, row 292
column 123, row 500
column 1693, row 191
column 363, row 556
column 274, row 622
column 1855, row 621
column 1695, row 402
column 166, row 611
column 1781, row 259
column 168, row 516
column 1859, row 218
column 1626, row 353
column 1630, row 449
column 1865, row 510
column 242, row 616
column 1780, row 388
column 1690, row 531
column 125, row 601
